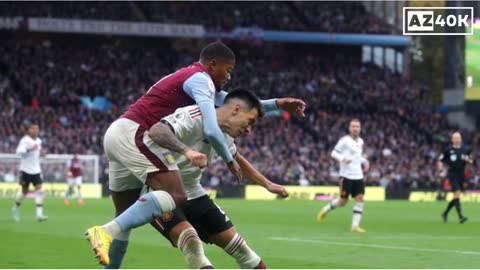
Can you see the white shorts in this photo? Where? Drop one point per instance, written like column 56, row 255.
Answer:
column 75, row 181
column 132, row 155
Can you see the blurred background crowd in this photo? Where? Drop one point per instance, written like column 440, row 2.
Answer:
column 75, row 86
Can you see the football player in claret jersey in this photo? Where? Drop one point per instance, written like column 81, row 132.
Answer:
column 455, row 157
column 236, row 118
column 134, row 163
column 349, row 153
column 30, row 150
column 74, row 172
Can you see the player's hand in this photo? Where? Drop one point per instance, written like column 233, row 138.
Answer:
column 277, row 189
column 236, row 170
column 292, row 105
column 196, row 158
column 468, row 159
column 347, row 160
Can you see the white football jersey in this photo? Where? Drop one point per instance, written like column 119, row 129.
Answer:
column 353, row 150
column 188, row 127
column 30, row 160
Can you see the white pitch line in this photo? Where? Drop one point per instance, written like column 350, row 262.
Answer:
column 318, row 241
column 409, row 237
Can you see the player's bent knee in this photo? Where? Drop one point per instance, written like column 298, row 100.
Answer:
column 222, row 239
column 166, row 202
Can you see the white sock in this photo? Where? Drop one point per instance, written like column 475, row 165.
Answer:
column 357, row 214
column 331, row 205
column 39, row 202
column 243, row 254
column 192, row 248
column 113, row 229
column 69, row 192
column 79, row 193
column 19, row 199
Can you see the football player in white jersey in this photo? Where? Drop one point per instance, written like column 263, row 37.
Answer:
column 207, row 218
column 30, row 150
column 236, row 118
column 353, row 165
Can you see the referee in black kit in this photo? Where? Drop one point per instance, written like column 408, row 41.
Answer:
column 455, row 157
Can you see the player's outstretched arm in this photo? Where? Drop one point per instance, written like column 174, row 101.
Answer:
column 253, row 174
column 291, row 105
column 162, row 135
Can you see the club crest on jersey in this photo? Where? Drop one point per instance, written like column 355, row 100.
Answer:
column 167, row 216
column 179, row 116
column 169, row 157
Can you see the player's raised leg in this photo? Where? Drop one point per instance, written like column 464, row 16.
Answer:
column 345, row 189
column 154, row 203
column 19, row 199
column 332, row 205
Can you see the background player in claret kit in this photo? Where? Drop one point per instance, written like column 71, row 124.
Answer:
column 134, row 163
column 30, row 149
column 456, row 158
column 74, row 174
column 349, row 153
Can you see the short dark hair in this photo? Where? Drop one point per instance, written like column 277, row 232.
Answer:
column 217, row 50
column 247, row 96
column 355, row 120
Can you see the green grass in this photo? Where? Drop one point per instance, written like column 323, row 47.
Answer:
column 284, row 233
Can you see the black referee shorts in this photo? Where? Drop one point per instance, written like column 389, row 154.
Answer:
column 204, row 215
column 26, row 179
column 351, row 187
column 456, row 181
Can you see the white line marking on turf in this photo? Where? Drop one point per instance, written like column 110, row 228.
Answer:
column 409, row 237
column 319, row 241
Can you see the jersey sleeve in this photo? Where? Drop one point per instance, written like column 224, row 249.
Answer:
column 443, row 156
column 182, row 122
column 201, row 88
column 22, row 147
column 340, row 146
column 337, row 152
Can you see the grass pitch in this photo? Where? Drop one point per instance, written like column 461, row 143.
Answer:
column 284, row 233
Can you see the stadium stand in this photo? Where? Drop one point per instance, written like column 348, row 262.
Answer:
column 343, row 17
column 66, row 69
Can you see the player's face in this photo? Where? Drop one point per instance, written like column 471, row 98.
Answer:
column 220, row 72
column 456, row 139
column 354, row 128
column 33, row 131
column 242, row 121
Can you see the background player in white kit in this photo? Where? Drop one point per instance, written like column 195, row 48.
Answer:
column 349, row 153
column 30, row 150
column 74, row 172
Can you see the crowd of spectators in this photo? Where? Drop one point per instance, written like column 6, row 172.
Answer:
column 219, row 16
column 42, row 80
